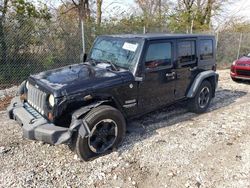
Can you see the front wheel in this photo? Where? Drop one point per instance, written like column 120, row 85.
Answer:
column 201, row 101
column 107, row 126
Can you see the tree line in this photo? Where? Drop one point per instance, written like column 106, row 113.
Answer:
column 36, row 36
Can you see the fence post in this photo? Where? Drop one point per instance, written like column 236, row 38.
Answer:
column 83, row 40
column 238, row 54
column 191, row 27
column 144, row 29
column 217, row 39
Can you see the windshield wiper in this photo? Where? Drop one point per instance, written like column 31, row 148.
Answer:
column 114, row 66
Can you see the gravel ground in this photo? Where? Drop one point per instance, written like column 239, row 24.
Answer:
column 6, row 95
column 8, row 92
column 168, row 148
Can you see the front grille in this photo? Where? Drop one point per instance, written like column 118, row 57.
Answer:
column 243, row 72
column 36, row 99
column 243, row 64
column 31, row 110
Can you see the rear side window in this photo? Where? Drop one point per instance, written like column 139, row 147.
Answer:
column 206, row 49
column 159, row 54
column 186, row 51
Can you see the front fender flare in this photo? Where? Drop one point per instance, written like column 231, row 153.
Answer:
column 199, row 79
column 80, row 124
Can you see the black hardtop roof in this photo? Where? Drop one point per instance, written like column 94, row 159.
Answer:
column 150, row 36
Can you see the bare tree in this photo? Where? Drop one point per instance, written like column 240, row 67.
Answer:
column 153, row 11
column 198, row 13
column 3, row 11
column 84, row 16
column 148, row 7
column 188, row 6
column 99, row 12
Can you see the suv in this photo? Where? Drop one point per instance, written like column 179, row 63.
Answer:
column 123, row 77
column 240, row 69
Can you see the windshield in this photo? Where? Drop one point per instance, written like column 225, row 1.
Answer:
column 122, row 52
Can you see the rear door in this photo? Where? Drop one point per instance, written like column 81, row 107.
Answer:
column 157, row 87
column 185, row 65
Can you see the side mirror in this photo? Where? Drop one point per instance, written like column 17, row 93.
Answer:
column 85, row 57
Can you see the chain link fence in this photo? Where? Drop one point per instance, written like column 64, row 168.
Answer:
column 231, row 46
column 31, row 45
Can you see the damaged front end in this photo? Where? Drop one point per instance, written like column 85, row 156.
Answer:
column 36, row 127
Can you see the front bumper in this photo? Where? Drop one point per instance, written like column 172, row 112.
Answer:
column 241, row 77
column 35, row 126
column 240, row 72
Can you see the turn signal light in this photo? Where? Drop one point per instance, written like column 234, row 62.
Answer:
column 23, row 97
column 50, row 116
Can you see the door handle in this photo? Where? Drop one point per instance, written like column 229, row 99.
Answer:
column 172, row 74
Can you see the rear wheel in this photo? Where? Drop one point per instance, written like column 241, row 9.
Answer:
column 107, row 126
column 201, row 101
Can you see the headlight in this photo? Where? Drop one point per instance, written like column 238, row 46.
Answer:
column 52, row 100
column 27, row 85
column 234, row 62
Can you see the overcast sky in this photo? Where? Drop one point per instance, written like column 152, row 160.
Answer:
column 117, row 7
column 240, row 8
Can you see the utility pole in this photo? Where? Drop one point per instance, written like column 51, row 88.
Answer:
column 82, row 35
column 82, row 12
column 238, row 54
column 144, row 29
column 192, row 25
column 217, row 39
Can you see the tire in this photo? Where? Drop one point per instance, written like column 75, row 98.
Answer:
column 236, row 80
column 199, row 104
column 108, row 128
column 72, row 143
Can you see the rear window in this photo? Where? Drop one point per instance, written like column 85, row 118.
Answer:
column 186, row 51
column 206, row 49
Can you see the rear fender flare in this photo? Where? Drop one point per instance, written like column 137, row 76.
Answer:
column 199, row 79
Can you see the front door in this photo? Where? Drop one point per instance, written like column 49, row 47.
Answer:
column 157, row 87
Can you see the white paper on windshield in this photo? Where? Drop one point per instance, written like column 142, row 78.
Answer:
column 130, row 46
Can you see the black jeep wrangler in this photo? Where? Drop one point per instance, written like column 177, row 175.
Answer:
column 124, row 76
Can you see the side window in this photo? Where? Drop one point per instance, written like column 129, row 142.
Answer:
column 159, row 54
column 206, row 49
column 186, row 51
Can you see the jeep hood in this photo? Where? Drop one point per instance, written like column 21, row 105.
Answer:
column 79, row 78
